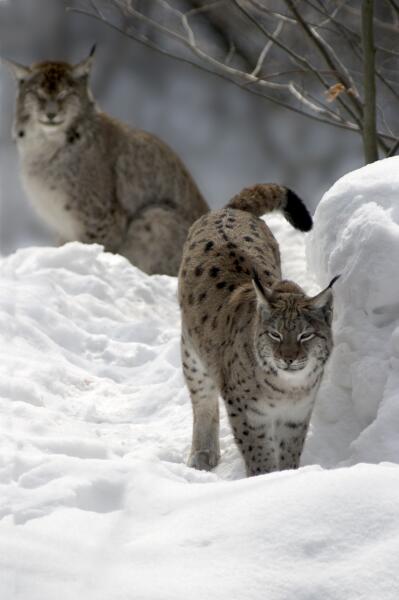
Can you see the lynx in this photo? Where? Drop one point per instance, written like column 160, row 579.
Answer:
column 94, row 179
column 255, row 339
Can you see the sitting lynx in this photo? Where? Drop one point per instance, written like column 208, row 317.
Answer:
column 257, row 340
column 94, row 179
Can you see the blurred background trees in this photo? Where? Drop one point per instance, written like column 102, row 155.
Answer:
column 278, row 94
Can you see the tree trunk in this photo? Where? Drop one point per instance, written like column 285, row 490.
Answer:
column 369, row 107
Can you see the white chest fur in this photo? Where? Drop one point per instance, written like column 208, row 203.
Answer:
column 51, row 204
column 283, row 410
column 295, row 404
column 43, row 185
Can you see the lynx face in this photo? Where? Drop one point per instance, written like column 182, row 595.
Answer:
column 51, row 95
column 293, row 332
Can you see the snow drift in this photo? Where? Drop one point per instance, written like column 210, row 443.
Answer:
column 96, row 501
column 356, row 234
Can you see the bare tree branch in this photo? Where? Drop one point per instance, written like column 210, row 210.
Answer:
column 270, row 53
column 329, row 60
column 267, row 49
column 393, row 149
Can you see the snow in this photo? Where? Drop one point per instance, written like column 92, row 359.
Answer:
column 96, row 500
column 356, row 234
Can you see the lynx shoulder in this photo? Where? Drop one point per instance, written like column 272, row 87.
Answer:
column 255, row 339
column 94, row 179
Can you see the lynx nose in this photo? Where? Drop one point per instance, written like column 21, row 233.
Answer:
column 51, row 111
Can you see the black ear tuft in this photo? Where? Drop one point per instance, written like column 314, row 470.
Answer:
column 324, row 299
column 333, row 280
column 258, row 284
column 82, row 69
column 263, row 294
column 296, row 212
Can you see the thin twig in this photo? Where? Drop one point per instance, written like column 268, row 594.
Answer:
column 267, row 48
column 393, row 149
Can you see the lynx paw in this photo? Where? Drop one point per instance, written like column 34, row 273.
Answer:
column 205, row 460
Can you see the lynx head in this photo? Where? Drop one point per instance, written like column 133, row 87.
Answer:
column 51, row 95
column 293, row 331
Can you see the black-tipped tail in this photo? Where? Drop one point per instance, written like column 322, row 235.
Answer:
column 262, row 198
column 296, row 212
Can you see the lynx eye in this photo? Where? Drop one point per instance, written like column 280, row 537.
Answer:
column 275, row 335
column 305, row 336
column 62, row 95
column 41, row 95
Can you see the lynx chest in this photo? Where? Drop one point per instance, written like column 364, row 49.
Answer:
column 51, row 190
column 53, row 205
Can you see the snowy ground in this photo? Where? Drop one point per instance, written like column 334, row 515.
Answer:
column 96, row 501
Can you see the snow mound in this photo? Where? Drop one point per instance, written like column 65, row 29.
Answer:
column 356, row 234
column 96, row 501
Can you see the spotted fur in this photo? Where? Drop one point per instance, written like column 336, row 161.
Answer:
column 258, row 341
column 94, row 179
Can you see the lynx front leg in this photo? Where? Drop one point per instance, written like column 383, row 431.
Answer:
column 205, row 449
column 267, row 442
column 254, row 439
column 291, row 437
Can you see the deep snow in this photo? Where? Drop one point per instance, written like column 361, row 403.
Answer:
column 96, row 501
column 356, row 234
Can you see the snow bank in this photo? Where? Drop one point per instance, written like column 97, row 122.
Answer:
column 356, row 234
column 96, row 501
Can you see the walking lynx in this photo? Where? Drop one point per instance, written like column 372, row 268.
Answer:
column 258, row 341
column 94, row 179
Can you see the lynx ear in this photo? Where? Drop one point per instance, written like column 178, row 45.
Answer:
column 83, row 68
column 19, row 71
column 263, row 294
column 324, row 300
